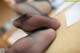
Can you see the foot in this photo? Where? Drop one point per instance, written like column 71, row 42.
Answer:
column 36, row 42
column 22, row 6
column 29, row 22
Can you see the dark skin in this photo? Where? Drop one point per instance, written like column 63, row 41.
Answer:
column 38, row 41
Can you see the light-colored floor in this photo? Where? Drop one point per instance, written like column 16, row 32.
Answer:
column 68, row 38
column 5, row 15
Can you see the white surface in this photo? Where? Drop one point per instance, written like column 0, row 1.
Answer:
column 57, row 3
column 16, row 35
column 73, row 14
column 62, row 7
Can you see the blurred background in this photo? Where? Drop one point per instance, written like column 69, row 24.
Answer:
column 6, row 14
column 8, row 33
